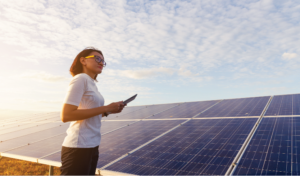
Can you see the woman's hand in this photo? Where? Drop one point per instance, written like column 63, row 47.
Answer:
column 116, row 107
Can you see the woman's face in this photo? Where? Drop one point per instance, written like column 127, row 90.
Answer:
column 91, row 64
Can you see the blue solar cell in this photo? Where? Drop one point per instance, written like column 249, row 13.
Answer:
column 117, row 143
column 270, row 150
column 185, row 110
column 284, row 105
column 237, row 107
column 296, row 104
column 296, row 146
column 204, row 154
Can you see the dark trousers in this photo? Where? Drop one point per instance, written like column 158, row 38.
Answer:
column 79, row 161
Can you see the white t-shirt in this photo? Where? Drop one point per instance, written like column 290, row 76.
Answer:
column 83, row 92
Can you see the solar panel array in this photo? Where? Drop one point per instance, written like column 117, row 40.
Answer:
column 260, row 135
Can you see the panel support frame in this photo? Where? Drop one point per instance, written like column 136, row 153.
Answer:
column 242, row 150
column 51, row 170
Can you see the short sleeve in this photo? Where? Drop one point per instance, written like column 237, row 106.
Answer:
column 76, row 90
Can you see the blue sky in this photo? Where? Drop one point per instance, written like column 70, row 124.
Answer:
column 166, row 51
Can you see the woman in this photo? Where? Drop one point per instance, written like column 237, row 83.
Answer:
column 84, row 107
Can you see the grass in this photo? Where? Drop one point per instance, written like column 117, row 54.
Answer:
column 9, row 166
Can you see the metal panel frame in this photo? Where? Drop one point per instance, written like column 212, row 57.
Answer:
column 242, row 150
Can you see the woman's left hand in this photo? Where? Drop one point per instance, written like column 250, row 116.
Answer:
column 122, row 105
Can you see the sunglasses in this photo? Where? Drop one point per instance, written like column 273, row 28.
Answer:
column 98, row 59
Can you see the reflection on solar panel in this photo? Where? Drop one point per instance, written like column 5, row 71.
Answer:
column 117, row 143
column 37, row 128
column 273, row 149
column 29, row 119
column 196, row 147
column 146, row 112
column 185, row 110
column 168, row 140
column 23, row 139
column 126, row 110
column 284, row 105
column 237, row 107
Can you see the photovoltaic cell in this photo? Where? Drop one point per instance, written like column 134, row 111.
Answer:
column 274, row 149
column 147, row 111
column 296, row 104
column 284, row 105
column 117, row 143
column 184, row 110
column 25, row 139
column 206, row 147
column 296, row 145
column 237, row 107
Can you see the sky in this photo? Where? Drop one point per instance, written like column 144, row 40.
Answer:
column 164, row 51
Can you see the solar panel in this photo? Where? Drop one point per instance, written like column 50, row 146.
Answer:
column 41, row 148
column 25, row 139
column 296, row 104
column 205, row 146
column 117, row 143
column 274, row 149
column 237, row 107
column 284, row 105
column 184, row 110
column 201, row 146
column 147, row 111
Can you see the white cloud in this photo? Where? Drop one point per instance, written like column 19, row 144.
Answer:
column 152, row 40
column 289, row 56
column 142, row 73
column 183, row 71
column 43, row 76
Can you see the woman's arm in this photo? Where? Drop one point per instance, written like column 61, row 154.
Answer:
column 72, row 113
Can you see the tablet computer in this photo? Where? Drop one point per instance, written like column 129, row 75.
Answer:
column 129, row 99
column 125, row 102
